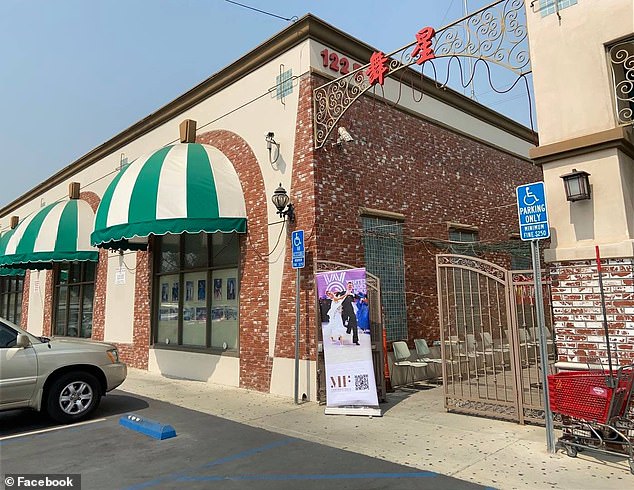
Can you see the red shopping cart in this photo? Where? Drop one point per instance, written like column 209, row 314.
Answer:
column 587, row 395
column 594, row 408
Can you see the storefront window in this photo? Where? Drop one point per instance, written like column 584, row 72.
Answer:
column 196, row 291
column 11, row 298
column 73, row 303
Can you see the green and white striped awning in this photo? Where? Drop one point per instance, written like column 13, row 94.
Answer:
column 5, row 271
column 59, row 232
column 182, row 188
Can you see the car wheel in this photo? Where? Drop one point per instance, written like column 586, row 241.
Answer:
column 72, row 397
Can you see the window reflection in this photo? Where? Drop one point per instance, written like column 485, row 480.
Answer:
column 196, row 291
column 11, row 289
column 74, row 296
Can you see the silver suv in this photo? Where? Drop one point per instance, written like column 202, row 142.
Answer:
column 64, row 377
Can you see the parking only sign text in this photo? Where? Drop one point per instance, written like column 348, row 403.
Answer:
column 532, row 211
column 299, row 257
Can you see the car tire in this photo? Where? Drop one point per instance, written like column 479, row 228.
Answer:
column 73, row 397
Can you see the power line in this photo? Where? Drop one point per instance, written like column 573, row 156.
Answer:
column 291, row 19
column 442, row 22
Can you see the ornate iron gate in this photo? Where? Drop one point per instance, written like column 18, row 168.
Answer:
column 490, row 339
column 373, row 285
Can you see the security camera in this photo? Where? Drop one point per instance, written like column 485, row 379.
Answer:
column 270, row 140
column 344, row 136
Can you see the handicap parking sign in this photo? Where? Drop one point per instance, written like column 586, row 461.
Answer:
column 532, row 211
column 297, row 243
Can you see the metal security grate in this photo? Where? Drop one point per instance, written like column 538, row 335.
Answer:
column 383, row 242
column 621, row 57
column 284, row 84
column 548, row 7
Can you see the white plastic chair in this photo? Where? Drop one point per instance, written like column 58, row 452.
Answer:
column 550, row 343
column 503, row 350
column 423, row 354
column 402, row 359
column 456, row 359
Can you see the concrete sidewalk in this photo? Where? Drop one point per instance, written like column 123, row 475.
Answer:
column 415, row 431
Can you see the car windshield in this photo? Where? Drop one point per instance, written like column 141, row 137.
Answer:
column 31, row 336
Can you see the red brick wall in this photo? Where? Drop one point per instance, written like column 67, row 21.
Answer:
column 47, row 324
column 24, row 319
column 302, row 194
column 136, row 354
column 255, row 362
column 429, row 174
column 578, row 313
column 101, row 278
column 99, row 301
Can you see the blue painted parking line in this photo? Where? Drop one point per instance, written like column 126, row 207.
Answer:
column 337, row 476
column 227, row 459
column 249, row 452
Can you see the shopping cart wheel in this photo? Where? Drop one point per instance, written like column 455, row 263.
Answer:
column 579, row 441
column 571, row 451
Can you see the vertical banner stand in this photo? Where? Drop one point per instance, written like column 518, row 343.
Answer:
column 543, row 347
column 350, row 380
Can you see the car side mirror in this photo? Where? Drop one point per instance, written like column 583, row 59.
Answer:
column 23, row 341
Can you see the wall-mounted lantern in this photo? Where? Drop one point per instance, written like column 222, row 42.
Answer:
column 282, row 203
column 577, row 185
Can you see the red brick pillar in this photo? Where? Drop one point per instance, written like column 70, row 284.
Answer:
column 24, row 318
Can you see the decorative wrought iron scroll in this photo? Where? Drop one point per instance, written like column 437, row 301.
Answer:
column 496, row 33
column 622, row 62
column 478, row 265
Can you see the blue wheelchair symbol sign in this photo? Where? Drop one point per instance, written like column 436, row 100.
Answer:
column 532, row 211
column 298, row 251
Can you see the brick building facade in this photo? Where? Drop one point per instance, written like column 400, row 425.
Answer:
column 426, row 175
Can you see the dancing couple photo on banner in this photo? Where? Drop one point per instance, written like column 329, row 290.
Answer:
column 342, row 316
column 347, row 346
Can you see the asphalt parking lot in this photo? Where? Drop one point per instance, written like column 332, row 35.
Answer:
column 208, row 452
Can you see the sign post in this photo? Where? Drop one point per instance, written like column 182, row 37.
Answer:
column 533, row 217
column 298, row 262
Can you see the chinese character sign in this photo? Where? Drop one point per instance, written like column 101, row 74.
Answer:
column 378, row 68
column 423, row 49
column 422, row 52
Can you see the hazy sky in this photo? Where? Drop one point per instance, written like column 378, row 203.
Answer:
column 74, row 73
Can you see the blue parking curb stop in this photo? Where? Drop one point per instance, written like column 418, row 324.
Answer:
column 148, row 427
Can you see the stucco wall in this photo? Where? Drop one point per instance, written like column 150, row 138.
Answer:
column 576, row 227
column 573, row 88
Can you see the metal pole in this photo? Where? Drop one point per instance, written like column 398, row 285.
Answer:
column 297, row 337
column 543, row 347
column 605, row 319
column 466, row 14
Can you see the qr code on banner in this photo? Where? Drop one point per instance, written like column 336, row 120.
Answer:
column 361, row 382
